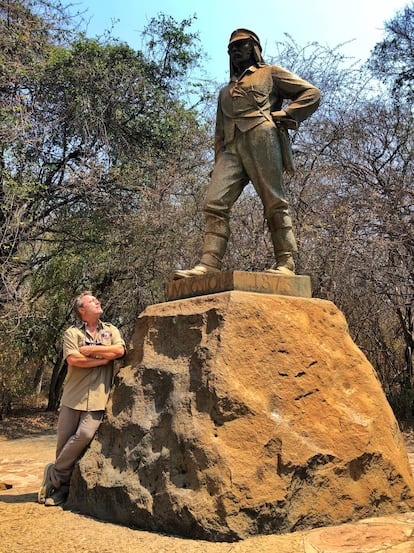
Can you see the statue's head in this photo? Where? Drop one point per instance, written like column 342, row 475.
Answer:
column 246, row 35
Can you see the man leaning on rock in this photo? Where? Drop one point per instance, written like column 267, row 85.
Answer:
column 89, row 349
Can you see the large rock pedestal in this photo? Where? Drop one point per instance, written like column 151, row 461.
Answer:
column 239, row 414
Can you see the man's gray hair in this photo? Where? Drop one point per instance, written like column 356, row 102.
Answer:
column 79, row 300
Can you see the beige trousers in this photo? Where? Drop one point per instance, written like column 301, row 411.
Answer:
column 75, row 430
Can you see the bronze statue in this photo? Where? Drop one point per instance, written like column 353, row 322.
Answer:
column 250, row 145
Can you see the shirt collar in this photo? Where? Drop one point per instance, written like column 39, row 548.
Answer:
column 250, row 69
column 82, row 325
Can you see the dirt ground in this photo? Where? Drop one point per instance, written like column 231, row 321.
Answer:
column 27, row 443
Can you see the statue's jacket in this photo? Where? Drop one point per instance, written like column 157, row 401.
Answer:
column 248, row 100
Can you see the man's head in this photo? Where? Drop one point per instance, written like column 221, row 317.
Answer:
column 87, row 307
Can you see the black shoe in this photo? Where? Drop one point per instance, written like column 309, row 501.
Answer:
column 58, row 497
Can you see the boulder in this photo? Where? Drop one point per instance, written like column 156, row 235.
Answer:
column 240, row 414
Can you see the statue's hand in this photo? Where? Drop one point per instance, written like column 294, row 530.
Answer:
column 283, row 118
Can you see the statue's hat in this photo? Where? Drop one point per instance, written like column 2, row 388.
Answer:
column 243, row 34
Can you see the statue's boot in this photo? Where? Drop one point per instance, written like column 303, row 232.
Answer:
column 215, row 243
column 284, row 244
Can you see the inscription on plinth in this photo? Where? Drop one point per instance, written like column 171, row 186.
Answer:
column 265, row 283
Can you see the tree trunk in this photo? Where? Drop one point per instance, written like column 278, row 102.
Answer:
column 56, row 383
column 407, row 325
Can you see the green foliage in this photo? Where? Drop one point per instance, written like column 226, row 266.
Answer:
column 173, row 49
column 97, row 154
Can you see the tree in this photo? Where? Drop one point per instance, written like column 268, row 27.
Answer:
column 105, row 155
column 392, row 59
column 100, row 167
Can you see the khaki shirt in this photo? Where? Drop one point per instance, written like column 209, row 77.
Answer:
column 87, row 389
column 264, row 87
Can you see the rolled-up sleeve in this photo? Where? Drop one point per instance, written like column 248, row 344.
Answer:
column 70, row 342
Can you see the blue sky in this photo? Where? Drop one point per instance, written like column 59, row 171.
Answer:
column 359, row 22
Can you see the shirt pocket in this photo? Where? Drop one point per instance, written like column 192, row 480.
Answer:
column 105, row 337
column 260, row 95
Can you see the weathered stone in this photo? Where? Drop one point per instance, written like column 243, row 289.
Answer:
column 242, row 414
column 4, row 486
column 225, row 281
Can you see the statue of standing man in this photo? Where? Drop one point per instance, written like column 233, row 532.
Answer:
column 250, row 128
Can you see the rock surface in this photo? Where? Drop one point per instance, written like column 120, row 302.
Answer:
column 240, row 414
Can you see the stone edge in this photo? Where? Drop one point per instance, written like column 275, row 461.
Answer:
column 226, row 281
